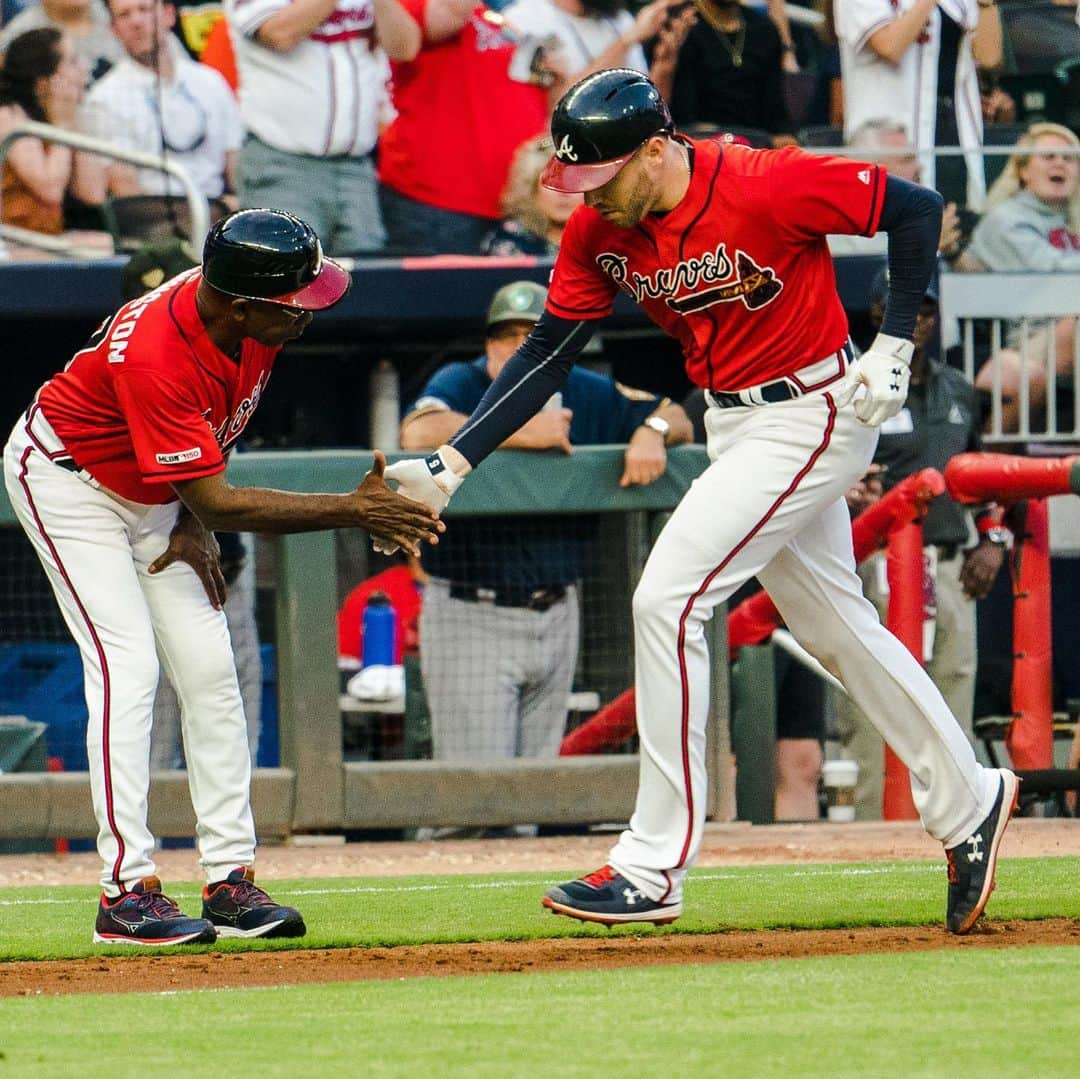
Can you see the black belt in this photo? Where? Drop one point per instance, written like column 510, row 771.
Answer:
column 537, row 599
column 66, row 463
column 947, row 551
column 773, row 393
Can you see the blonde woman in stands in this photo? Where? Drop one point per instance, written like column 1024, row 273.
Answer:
column 534, row 215
column 42, row 79
column 1032, row 225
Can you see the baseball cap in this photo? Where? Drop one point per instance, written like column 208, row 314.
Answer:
column 274, row 256
column 879, row 289
column 520, row 301
column 599, row 125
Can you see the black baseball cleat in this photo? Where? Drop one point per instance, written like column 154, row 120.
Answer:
column 237, row 907
column 971, row 863
column 145, row 916
column 607, row 897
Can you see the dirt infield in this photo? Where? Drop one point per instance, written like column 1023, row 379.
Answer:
column 724, row 845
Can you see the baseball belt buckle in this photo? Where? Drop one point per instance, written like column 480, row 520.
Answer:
column 542, row 599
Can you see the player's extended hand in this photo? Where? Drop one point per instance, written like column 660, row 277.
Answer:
column 885, row 371
column 645, row 460
column 395, row 519
column 191, row 542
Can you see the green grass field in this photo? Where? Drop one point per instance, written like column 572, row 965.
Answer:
column 984, row 1012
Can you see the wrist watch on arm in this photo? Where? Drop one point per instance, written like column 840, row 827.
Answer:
column 999, row 535
column 659, row 425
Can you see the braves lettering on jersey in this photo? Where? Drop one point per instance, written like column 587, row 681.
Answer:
column 747, row 240
column 151, row 399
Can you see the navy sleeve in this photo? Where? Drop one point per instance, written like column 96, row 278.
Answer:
column 536, row 371
column 911, row 215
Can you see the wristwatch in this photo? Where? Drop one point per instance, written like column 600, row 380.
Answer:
column 659, row 425
column 1001, row 536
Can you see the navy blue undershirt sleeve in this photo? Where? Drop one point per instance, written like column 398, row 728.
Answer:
column 911, row 215
column 536, row 371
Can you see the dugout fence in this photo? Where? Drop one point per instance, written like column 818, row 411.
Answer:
column 316, row 788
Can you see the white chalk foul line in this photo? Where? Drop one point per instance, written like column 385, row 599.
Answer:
column 397, row 889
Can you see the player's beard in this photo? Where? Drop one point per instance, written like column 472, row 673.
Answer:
column 637, row 204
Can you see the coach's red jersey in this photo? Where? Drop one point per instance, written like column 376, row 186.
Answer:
column 151, row 399
column 739, row 272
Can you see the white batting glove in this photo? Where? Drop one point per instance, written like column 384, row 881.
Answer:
column 426, row 479
column 885, row 371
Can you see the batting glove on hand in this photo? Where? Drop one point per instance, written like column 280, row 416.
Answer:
column 885, row 371
column 426, row 479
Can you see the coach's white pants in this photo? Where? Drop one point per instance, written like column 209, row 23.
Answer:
column 96, row 550
column 771, row 505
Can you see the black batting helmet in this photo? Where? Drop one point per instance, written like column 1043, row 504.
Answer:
column 599, row 124
column 272, row 255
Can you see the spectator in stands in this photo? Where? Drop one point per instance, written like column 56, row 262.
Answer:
column 1032, row 225
column 499, row 626
column 42, row 79
column 886, row 142
column 86, row 22
column 159, row 101
column 964, row 552
column 535, row 216
column 313, row 93
column 727, row 72
column 591, row 34
column 444, row 161
column 916, row 61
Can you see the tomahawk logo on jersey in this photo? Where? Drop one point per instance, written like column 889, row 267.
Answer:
column 707, row 270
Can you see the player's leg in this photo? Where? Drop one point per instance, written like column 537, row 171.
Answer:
column 542, row 719
column 82, row 538
column 195, row 650
column 772, row 469
column 472, row 660
column 965, row 806
column 193, row 642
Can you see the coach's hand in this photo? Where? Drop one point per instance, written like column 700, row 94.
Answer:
column 392, row 518
column 885, row 371
column 192, row 543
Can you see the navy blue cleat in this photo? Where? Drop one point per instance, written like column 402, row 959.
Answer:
column 971, row 863
column 237, row 907
column 607, row 897
column 147, row 917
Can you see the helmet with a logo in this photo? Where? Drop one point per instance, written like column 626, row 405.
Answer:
column 599, row 124
column 272, row 255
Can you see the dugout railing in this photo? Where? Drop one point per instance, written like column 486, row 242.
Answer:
column 316, row 788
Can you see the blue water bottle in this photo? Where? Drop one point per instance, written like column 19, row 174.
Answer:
column 380, row 624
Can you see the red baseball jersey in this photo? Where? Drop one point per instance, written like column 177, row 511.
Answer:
column 739, row 272
column 151, row 399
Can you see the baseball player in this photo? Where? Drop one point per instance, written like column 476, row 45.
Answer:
column 724, row 247
column 116, row 472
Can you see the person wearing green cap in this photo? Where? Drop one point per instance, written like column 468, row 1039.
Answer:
column 499, row 625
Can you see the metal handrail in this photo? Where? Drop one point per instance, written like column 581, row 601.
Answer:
column 197, row 202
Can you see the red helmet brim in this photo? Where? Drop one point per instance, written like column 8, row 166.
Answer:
column 571, row 178
column 331, row 284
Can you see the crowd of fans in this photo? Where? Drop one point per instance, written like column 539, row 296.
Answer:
column 417, row 126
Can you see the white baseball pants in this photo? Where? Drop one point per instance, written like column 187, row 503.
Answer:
column 771, row 505
column 96, row 549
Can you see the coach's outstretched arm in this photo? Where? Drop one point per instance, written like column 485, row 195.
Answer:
column 911, row 215
column 536, row 371
column 388, row 517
